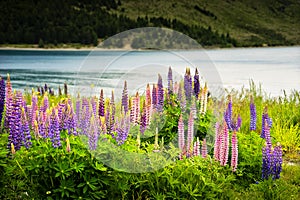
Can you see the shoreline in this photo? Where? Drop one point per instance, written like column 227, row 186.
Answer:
column 126, row 49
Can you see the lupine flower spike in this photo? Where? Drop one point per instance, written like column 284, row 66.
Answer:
column 2, row 97
column 196, row 84
column 160, row 94
column 190, row 134
column 170, row 81
column 188, row 84
column 204, row 149
column 196, row 148
column 181, row 135
column 234, row 151
column 101, row 105
column 253, row 116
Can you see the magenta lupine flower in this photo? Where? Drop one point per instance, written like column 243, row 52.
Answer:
column 125, row 99
column 188, row 84
column 101, row 105
column 196, row 84
column 190, row 135
column 148, row 104
column 253, row 117
column 196, row 148
column 137, row 108
column 170, row 81
column 54, row 133
column 204, row 149
column 93, row 133
column 234, row 151
column 8, row 102
column 218, row 141
column 16, row 136
column 160, row 94
column 143, row 121
column 181, row 134
column 25, row 128
column 224, row 149
column 277, row 161
column 2, row 97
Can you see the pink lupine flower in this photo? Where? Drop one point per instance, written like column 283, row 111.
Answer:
column 234, row 151
column 217, row 144
column 148, row 105
column 224, row 146
column 204, row 149
column 197, row 148
column 190, row 134
column 132, row 110
column 137, row 108
column 180, row 133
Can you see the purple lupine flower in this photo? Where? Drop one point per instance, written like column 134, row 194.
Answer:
column 85, row 117
column 25, row 127
column 267, row 134
column 190, row 134
column 125, row 98
column 265, row 119
column 196, row 148
column 228, row 114
column 238, row 123
column 137, row 108
column 266, row 162
column 224, row 149
column 29, row 114
column 160, row 94
column 45, row 104
column 78, row 104
column 154, row 96
column 196, row 84
column 204, row 149
column 277, row 161
column 72, row 127
column 16, row 136
column 183, row 102
column 253, row 116
column 101, row 105
column 217, row 143
column 179, row 93
column 113, row 107
column 93, row 133
column 170, row 81
column 94, row 105
column 41, row 119
column 62, row 116
column 234, row 151
column 108, row 120
column 54, row 132
column 188, row 84
column 2, row 97
column 181, row 144
column 123, row 129
column 8, row 102
column 143, row 121
column 34, row 107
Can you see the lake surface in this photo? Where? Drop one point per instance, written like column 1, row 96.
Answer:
column 277, row 68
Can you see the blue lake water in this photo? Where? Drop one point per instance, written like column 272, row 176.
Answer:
column 277, row 68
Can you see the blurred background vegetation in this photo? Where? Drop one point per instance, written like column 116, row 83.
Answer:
column 213, row 23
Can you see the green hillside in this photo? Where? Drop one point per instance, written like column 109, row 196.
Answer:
column 210, row 22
